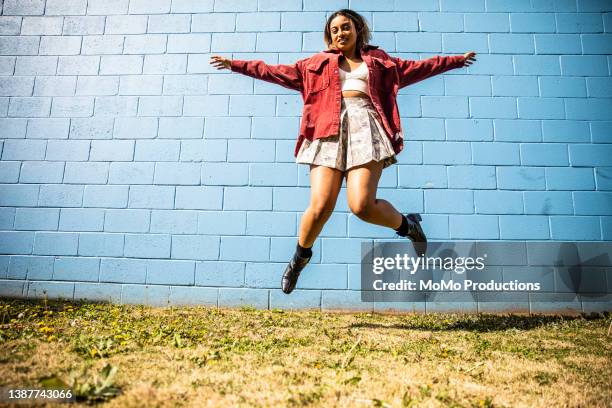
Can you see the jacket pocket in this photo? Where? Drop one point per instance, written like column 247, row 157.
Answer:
column 386, row 72
column 317, row 76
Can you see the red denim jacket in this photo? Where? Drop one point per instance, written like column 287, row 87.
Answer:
column 317, row 79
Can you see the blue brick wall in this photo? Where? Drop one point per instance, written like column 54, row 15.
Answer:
column 133, row 171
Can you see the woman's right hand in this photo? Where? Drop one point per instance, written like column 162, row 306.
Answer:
column 220, row 63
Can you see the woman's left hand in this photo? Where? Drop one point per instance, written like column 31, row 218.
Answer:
column 469, row 58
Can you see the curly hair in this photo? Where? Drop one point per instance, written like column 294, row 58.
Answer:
column 361, row 26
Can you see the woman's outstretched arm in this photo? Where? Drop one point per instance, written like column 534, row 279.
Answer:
column 289, row 76
column 414, row 71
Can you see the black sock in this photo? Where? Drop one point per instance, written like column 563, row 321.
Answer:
column 303, row 252
column 402, row 231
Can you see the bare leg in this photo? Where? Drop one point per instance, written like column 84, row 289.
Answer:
column 325, row 184
column 361, row 184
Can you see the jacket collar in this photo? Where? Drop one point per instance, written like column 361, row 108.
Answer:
column 366, row 47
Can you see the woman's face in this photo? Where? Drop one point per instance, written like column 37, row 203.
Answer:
column 343, row 33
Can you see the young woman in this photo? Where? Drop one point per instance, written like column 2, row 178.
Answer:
column 350, row 126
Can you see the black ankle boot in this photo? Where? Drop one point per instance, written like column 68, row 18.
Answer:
column 416, row 235
column 292, row 273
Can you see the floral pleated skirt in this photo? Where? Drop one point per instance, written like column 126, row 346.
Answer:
column 362, row 139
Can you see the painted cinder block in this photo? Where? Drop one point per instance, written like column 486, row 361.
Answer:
column 565, row 131
column 107, row 7
column 131, row 173
column 149, row 6
column 476, row 177
column 19, row 195
column 157, row 150
column 126, row 24
column 122, row 270
column 7, row 219
column 523, row 227
column 104, row 292
column 105, row 196
column 250, row 151
column 174, row 221
column 20, row 8
column 165, row 272
column 24, row 149
column 126, row 220
column 11, row 289
column 592, row 203
column 135, row 128
column 422, row 176
column 198, row 198
column 521, row 178
column 247, row 198
column 177, row 173
column 41, row 172
column 575, row 228
column 344, row 300
column 145, row 44
column 446, row 153
column 548, row 202
column 147, row 245
column 216, row 273
column 299, row 299
column 572, row 178
column 493, row 107
column 544, row 154
column 32, row 219
column 169, row 23
column 338, row 250
column 101, row 244
column 274, row 223
column 76, row 269
column 193, row 296
column 473, row 227
column 196, row 247
column 112, row 150
column 256, row 249
column 221, row 222
column 249, row 22
column 238, row 297
column 55, row 86
column 158, row 197
column 30, row 107
column 86, row 173
column 225, row 174
column 498, row 202
column 16, row 242
column 263, row 275
column 515, row 86
column 60, row 195
column 55, row 243
column 150, row 295
column 30, row 267
column 495, row 153
column 511, row 43
column 83, row 25
column 532, row 23
column 221, row 22
column 50, row 290
column 81, row 219
column 589, row 155
column 603, row 176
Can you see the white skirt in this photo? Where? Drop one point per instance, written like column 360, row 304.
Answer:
column 362, row 139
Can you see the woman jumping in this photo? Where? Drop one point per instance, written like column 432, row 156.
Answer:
column 350, row 126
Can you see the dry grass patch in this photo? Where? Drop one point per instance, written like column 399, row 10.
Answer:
column 134, row 356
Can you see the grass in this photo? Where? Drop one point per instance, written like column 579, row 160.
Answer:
column 134, row 356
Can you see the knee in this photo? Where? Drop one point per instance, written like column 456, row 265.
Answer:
column 322, row 211
column 362, row 208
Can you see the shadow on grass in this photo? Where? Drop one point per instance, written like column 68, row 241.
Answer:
column 479, row 323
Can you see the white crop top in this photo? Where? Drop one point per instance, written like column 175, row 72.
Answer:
column 356, row 80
